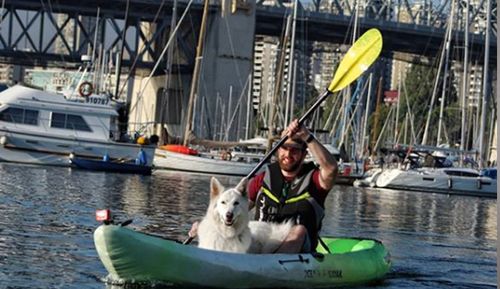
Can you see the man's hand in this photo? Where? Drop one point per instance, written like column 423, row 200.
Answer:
column 296, row 130
column 194, row 230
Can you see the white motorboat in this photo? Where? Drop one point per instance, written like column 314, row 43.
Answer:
column 40, row 127
column 452, row 180
column 369, row 178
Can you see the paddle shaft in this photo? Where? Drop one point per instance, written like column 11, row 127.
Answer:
column 318, row 102
column 188, row 240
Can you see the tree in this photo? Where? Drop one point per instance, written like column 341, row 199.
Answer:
column 416, row 94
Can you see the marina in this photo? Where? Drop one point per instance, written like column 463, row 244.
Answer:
column 362, row 136
column 435, row 240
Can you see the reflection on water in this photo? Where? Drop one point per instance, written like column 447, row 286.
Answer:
column 48, row 219
column 415, row 212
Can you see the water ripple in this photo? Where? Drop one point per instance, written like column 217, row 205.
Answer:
column 48, row 220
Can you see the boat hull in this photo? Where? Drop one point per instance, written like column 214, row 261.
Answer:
column 50, row 150
column 190, row 163
column 134, row 257
column 435, row 181
column 168, row 160
column 108, row 166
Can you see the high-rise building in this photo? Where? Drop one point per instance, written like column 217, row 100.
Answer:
column 324, row 59
column 264, row 72
column 266, row 77
column 7, row 74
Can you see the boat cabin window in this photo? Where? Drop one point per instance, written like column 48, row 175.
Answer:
column 69, row 121
column 19, row 115
column 461, row 173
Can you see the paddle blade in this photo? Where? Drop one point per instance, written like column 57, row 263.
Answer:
column 357, row 59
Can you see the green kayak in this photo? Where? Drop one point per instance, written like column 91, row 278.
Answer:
column 134, row 257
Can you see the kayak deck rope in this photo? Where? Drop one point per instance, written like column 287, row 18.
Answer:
column 324, row 245
column 299, row 260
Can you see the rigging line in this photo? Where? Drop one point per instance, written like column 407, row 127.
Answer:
column 141, row 92
column 1, row 15
column 136, row 59
column 94, row 63
column 119, row 60
column 334, row 130
column 349, row 26
column 238, row 105
column 412, row 118
column 242, row 93
column 383, row 129
column 353, row 113
column 159, row 11
column 168, row 69
column 50, row 15
column 434, row 93
column 332, row 111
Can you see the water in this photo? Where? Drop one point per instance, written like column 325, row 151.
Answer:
column 47, row 220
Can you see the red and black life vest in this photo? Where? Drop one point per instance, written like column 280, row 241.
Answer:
column 278, row 201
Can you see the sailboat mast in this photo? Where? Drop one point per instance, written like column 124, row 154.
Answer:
column 94, row 47
column 249, row 106
column 375, row 133
column 433, row 98
column 365, row 122
column 196, row 72
column 291, row 71
column 465, row 78
column 397, row 109
column 484, row 107
column 168, row 70
column 446, row 72
column 277, row 86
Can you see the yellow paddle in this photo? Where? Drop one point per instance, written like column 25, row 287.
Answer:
column 356, row 61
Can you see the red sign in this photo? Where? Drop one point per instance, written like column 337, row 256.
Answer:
column 391, row 96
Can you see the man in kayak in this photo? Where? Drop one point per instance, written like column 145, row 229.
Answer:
column 293, row 189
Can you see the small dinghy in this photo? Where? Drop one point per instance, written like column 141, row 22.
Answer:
column 111, row 166
column 133, row 257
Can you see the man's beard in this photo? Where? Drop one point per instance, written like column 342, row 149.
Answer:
column 289, row 167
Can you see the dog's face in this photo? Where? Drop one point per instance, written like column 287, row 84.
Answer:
column 230, row 206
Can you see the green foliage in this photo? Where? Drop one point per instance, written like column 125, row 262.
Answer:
column 416, row 93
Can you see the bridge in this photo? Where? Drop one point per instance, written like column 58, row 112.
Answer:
column 58, row 33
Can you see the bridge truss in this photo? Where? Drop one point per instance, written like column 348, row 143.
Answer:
column 58, row 33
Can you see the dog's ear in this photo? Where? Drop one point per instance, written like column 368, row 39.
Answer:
column 242, row 187
column 215, row 188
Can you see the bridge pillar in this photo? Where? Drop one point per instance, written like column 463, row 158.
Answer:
column 221, row 104
column 227, row 63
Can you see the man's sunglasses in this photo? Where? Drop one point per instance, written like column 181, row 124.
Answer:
column 293, row 149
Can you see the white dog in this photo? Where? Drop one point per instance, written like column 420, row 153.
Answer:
column 227, row 226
